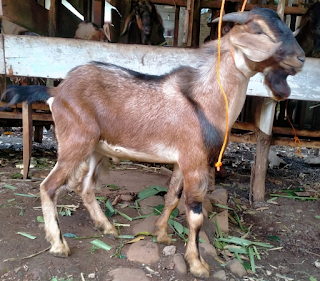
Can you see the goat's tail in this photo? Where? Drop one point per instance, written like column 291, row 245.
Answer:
column 17, row 94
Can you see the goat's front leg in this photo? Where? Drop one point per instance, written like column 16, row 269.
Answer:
column 195, row 187
column 96, row 162
column 48, row 194
column 171, row 202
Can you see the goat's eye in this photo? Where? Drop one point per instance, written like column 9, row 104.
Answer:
column 259, row 32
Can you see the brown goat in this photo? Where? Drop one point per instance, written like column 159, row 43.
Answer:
column 309, row 31
column 105, row 110
column 143, row 25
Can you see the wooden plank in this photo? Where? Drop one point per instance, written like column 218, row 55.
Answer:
column 27, row 137
column 26, row 13
column 55, row 57
column 18, row 115
column 217, row 4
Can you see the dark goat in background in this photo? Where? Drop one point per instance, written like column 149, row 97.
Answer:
column 143, row 25
column 309, row 31
column 105, row 111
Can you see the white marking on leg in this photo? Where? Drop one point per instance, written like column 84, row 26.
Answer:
column 88, row 197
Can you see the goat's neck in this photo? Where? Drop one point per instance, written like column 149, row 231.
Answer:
column 234, row 82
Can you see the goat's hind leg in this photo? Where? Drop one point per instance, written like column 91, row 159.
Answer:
column 97, row 163
column 172, row 200
column 49, row 193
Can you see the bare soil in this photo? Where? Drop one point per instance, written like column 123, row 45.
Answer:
column 292, row 226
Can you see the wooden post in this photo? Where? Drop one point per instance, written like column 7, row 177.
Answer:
column 27, row 137
column 196, row 24
column 264, row 114
column 176, row 26
column 53, row 18
column 190, row 8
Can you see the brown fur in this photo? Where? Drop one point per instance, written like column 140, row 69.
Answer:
column 103, row 110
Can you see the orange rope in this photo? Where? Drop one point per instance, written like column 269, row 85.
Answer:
column 244, row 5
column 219, row 163
column 296, row 139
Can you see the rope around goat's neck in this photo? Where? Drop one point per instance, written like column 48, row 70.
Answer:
column 219, row 163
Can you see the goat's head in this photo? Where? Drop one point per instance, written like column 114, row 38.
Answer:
column 148, row 21
column 267, row 46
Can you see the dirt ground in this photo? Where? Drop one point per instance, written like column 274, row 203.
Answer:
column 291, row 225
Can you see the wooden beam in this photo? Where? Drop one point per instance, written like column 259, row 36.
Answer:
column 26, row 13
column 217, row 5
column 55, row 57
column 18, row 115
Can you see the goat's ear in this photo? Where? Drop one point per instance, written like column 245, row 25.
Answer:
column 256, row 47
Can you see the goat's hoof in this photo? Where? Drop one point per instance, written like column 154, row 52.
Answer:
column 61, row 252
column 164, row 238
column 111, row 232
column 200, row 270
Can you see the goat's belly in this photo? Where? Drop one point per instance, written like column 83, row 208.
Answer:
column 160, row 153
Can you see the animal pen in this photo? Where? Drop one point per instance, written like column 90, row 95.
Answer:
column 51, row 57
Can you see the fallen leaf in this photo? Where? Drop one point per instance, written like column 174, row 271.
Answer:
column 135, row 240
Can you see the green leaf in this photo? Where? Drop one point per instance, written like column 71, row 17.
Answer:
column 113, row 186
column 273, row 238
column 237, row 250
column 222, row 206
column 99, row 244
column 152, row 190
column 27, row 195
column 109, row 212
column 21, row 212
column 179, row 227
column 10, row 186
column 126, row 236
column 40, row 219
column 17, row 176
column 69, row 235
column 158, row 209
column 123, row 215
column 27, row 235
column 10, row 200
column 251, row 257
column 317, row 217
column 311, row 278
column 218, row 228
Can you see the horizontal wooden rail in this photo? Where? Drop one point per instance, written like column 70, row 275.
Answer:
column 55, row 57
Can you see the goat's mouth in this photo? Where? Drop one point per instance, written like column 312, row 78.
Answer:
column 276, row 80
column 291, row 68
column 292, row 64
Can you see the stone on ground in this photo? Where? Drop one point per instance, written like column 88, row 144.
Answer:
column 147, row 225
column 149, row 203
column 209, row 228
column 132, row 274
column 218, row 196
column 169, row 250
column 144, row 252
column 180, row 265
column 204, row 236
column 237, row 268
column 207, row 250
column 222, row 220
column 219, row 275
